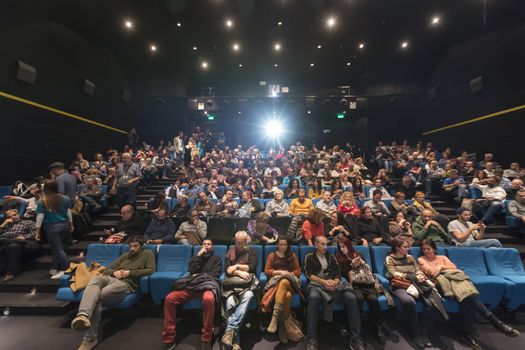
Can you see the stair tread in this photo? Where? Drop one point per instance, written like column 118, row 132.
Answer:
column 37, row 300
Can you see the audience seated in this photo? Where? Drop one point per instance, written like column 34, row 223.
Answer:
column 326, row 204
column 193, row 231
column 370, row 230
column 130, row 223
column 491, row 201
column 301, row 205
column 425, row 227
column 467, row 234
column 161, row 229
column 259, row 231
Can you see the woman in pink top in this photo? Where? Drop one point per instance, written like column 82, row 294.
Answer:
column 347, row 205
column 432, row 265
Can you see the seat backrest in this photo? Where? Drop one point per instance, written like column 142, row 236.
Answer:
column 221, row 230
column 304, row 250
column 104, row 254
column 379, row 254
column 219, row 250
column 241, row 224
column 470, row 260
column 173, row 257
column 365, row 252
column 280, row 224
column 503, row 261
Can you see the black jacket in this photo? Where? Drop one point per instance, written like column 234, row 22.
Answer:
column 312, row 266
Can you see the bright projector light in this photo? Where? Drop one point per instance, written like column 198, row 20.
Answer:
column 273, row 129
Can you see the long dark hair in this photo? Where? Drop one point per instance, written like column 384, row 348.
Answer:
column 396, row 243
column 50, row 196
column 288, row 255
column 352, row 254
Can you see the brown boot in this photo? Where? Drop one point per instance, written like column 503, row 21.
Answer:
column 276, row 316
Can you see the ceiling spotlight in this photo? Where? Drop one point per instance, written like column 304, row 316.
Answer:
column 309, row 111
column 273, row 128
column 204, row 64
column 239, row 112
column 312, row 64
column 240, row 65
column 435, row 20
column 128, row 24
column 277, row 47
column 361, row 46
column 179, row 24
column 319, row 46
column 279, row 23
column 153, row 48
column 236, row 47
column 348, row 64
column 229, row 23
column 276, row 65
column 404, row 44
column 330, row 22
column 195, row 48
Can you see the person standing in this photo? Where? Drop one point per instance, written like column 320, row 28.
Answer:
column 66, row 182
column 178, row 144
column 53, row 212
column 126, row 180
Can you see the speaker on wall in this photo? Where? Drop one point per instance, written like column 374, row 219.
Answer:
column 476, row 84
column 88, row 87
column 25, row 72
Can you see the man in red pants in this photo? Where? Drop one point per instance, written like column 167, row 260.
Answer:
column 205, row 269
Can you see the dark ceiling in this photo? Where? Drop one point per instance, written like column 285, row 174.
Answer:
column 380, row 24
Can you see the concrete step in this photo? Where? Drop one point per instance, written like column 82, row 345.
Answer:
column 104, row 223
column 26, row 281
column 44, row 261
column 37, row 303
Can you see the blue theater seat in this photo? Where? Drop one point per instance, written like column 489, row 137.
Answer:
column 172, row 263
column 506, row 263
column 472, row 262
column 379, row 254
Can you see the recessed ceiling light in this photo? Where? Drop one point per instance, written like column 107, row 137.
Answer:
column 319, row 46
column 277, row 47
column 312, row 64
column 229, row 23
column 330, row 22
column 179, row 24
column 240, row 65
column 404, row 44
column 361, row 45
column 239, row 112
column 153, row 48
column 128, row 24
column 435, row 20
column 194, row 48
column 205, row 112
column 276, row 65
column 236, row 47
column 204, row 64
column 279, row 23
column 309, row 112
column 348, row 63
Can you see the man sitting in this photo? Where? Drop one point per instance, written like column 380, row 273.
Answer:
column 91, row 192
column 378, row 207
column 161, row 229
column 277, row 207
column 322, row 270
column 205, row 206
column 227, row 206
column 117, row 281
column 467, row 234
column 249, row 206
column 17, row 243
column 517, row 207
column 130, row 222
column 205, row 269
column 192, row 231
column 425, row 227
column 378, row 186
column 491, row 201
column 454, row 186
column 326, row 204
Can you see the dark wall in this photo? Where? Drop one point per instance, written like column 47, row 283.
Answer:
column 32, row 138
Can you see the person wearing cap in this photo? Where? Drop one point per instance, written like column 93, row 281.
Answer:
column 67, row 184
column 467, row 234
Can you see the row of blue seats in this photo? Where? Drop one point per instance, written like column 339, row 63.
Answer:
column 497, row 273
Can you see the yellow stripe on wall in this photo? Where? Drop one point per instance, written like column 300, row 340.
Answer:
column 477, row 119
column 58, row 111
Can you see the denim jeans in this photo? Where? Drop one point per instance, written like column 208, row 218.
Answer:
column 482, row 243
column 236, row 319
column 57, row 233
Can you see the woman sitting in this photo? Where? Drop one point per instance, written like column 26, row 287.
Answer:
column 348, row 206
column 283, row 271
column 292, row 191
column 439, row 268
column 337, row 229
column 400, row 266
column 313, row 226
column 316, row 191
column 400, row 227
column 365, row 284
column 259, row 231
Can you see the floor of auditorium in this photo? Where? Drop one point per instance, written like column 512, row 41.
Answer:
column 139, row 329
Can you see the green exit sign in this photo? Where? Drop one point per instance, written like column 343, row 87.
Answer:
column 211, row 117
column 340, row 116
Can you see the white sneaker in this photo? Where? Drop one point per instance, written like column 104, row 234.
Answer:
column 53, row 272
column 57, row 275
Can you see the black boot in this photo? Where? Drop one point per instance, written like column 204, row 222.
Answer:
column 473, row 342
column 380, row 334
column 503, row 327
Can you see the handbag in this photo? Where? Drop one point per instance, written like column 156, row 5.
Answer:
column 400, row 283
column 293, row 327
column 232, row 282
